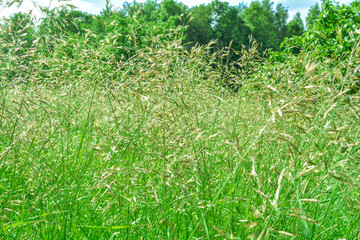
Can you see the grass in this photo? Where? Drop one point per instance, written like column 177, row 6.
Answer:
column 157, row 149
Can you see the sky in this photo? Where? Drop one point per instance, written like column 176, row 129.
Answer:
column 95, row 6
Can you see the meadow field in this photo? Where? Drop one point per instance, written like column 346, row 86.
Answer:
column 179, row 143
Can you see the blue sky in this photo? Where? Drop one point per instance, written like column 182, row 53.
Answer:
column 95, row 6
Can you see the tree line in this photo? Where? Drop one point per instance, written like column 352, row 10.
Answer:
column 201, row 24
column 63, row 32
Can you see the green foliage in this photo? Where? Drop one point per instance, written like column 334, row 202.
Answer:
column 17, row 35
column 267, row 25
column 65, row 20
column 333, row 34
column 280, row 21
column 234, row 24
column 295, row 26
column 229, row 27
column 19, row 31
column 217, row 20
column 200, row 27
column 313, row 15
column 165, row 13
column 64, row 32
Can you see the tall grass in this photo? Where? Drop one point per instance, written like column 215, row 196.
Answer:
column 158, row 147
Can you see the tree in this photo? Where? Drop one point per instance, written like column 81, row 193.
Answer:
column 17, row 34
column 259, row 17
column 149, row 10
column 313, row 15
column 228, row 25
column 167, row 12
column 295, row 26
column 280, row 20
column 65, row 20
column 170, row 11
column 200, row 27
column 333, row 34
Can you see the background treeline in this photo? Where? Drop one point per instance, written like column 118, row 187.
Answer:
column 201, row 24
column 120, row 34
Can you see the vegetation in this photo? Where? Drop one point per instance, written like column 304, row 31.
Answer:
column 116, row 127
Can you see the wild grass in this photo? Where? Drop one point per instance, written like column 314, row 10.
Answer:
column 156, row 147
